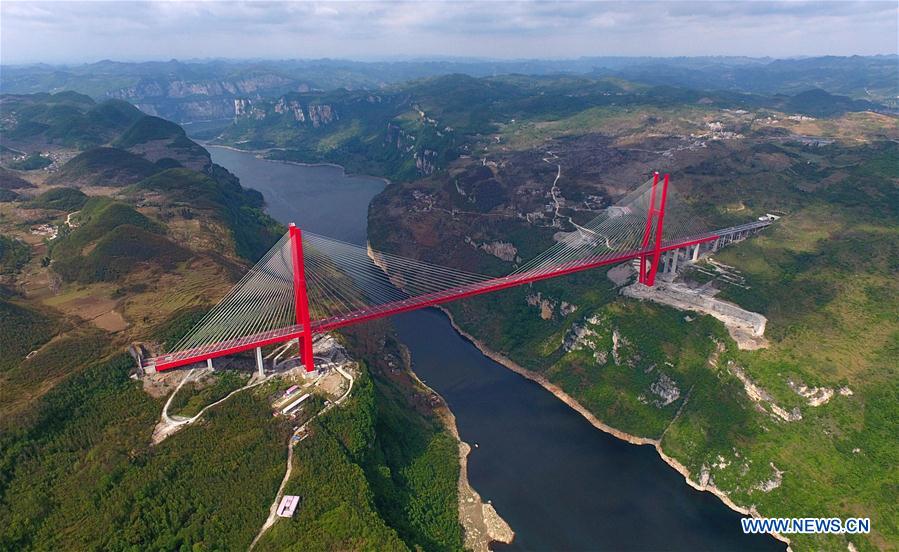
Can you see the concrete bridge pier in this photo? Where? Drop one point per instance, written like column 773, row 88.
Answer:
column 696, row 253
column 209, row 364
column 259, row 365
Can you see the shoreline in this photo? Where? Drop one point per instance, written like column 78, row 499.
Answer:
column 258, row 154
column 481, row 523
column 602, row 426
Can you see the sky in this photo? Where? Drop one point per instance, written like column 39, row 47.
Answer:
column 74, row 32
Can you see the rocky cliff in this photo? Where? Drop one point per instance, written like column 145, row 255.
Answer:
column 296, row 110
column 203, row 99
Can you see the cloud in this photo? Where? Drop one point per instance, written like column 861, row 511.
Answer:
column 86, row 31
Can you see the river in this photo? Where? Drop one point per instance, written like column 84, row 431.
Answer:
column 558, row 481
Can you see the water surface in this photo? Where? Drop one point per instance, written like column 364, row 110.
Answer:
column 320, row 198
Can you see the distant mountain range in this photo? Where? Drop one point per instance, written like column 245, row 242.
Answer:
column 206, row 90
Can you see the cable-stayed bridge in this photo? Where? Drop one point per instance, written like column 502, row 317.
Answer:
column 309, row 284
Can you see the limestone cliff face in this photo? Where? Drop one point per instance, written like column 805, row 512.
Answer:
column 293, row 107
column 399, row 138
column 316, row 115
column 177, row 89
column 321, row 115
column 425, row 159
column 244, row 108
column 201, row 100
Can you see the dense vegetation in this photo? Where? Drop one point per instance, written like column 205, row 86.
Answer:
column 117, row 253
column 11, row 181
column 91, row 434
column 67, row 119
column 110, row 241
column 13, row 255
column 374, row 476
column 23, row 330
column 60, row 199
column 32, row 162
column 105, row 167
column 146, row 129
column 240, row 209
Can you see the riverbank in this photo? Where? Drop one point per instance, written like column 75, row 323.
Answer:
column 599, row 424
column 481, row 523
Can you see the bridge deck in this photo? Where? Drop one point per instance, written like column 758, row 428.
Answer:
column 190, row 356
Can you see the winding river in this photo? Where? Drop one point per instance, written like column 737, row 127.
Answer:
column 558, row 481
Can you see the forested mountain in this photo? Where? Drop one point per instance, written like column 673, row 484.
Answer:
column 415, row 129
column 124, row 241
column 204, row 90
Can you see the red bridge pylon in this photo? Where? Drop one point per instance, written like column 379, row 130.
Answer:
column 301, row 298
column 649, row 266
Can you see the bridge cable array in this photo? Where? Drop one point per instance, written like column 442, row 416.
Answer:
column 617, row 229
column 344, row 279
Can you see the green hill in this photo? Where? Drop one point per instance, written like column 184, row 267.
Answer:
column 240, row 209
column 61, row 199
column 148, row 128
column 33, row 162
column 104, row 167
column 13, row 255
column 11, row 181
column 116, row 113
column 164, row 142
column 64, row 119
column 819, row 103
column 100, row 215
column 117, row 253
column 111, row 241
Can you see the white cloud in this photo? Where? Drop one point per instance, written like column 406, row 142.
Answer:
column 85, row 31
